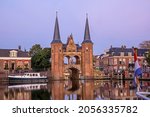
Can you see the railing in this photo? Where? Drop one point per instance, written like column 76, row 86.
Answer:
column 143, row 95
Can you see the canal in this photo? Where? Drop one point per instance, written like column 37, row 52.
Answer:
column 104, row 89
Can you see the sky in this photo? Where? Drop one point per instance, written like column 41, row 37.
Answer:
column 112, row 22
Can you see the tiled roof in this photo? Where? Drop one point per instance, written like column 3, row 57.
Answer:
column 115, row 51
column 6, row 53
column 87, row 38
column 56, row 37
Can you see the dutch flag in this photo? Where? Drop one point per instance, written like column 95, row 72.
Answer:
column 137, row 70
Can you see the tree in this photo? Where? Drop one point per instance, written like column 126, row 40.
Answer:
column 148, row 58
column 41, row 60
column 145, row 45
column 35, row 49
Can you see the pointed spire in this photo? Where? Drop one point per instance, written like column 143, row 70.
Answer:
column 56, row 36
column 87, row 38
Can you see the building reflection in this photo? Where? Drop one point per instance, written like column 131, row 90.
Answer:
column 103, row 89
column 17, row 94
column 119, row 90
column 23, row 92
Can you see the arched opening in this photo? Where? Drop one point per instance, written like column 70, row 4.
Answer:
column 73, row 79
column 66, row 60
column 77, row 59
column 72, row 60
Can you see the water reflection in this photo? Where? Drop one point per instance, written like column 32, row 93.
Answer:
column 24, row 92
column 119, row 90
column 103, row 89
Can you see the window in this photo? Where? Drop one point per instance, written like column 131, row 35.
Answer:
column 120, row 67
column 13, row 53
column 124, row 67
column 130, row 60
column 110, row 61
column 115, row 61
column 120, row 61
column 6, row 66
column 124, row 61
column 121, row 53
column 115, row 68
column 129, row 54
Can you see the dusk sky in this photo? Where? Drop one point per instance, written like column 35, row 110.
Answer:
column 112, row 22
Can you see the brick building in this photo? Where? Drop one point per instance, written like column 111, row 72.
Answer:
column 73, row 60
column 117, row 60
column 14, row 59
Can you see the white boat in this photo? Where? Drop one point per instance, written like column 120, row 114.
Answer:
column 29, row 86
column 29, row 77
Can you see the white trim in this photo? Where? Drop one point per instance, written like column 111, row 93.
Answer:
column 15, row 58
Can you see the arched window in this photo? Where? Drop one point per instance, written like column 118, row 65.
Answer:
column 66, row 60
column 77, row 59
column 72, row 60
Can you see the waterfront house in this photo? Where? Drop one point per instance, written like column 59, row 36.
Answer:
column 14, row 59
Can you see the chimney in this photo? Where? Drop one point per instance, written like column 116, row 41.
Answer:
column 19, row 47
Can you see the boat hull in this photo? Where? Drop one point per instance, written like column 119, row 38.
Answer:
column 27, row 80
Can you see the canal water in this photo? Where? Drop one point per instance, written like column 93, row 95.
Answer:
column 103, row 90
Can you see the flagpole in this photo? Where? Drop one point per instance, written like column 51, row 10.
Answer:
column 137, row 70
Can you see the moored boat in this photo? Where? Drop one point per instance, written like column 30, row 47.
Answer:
column 28, row 77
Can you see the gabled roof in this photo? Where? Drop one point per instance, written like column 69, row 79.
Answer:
column 6, row 53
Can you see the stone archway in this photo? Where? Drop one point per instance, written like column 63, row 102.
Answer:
column 74, row 78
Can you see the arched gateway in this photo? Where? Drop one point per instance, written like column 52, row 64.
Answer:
column 73, row 62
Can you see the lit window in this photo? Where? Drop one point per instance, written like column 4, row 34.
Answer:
column 129, row 54
column 115, row 61
column 124, row 60
column 122, row 53
column 13, row 53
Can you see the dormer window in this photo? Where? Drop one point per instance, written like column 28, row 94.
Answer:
column 122, row 53
column 13, row 53
column 129, row 53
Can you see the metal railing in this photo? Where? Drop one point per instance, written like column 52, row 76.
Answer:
column 143, row 95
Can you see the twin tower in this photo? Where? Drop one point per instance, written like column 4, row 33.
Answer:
column 72, row 60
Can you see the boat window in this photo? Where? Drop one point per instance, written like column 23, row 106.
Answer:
column 36, row 75
column 30, row 74
column 33, row 74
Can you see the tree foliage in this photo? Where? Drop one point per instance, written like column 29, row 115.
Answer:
column 40, row 95
column 148, row 58
column 41, row 59
column 145, row 45
column 35, row 49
